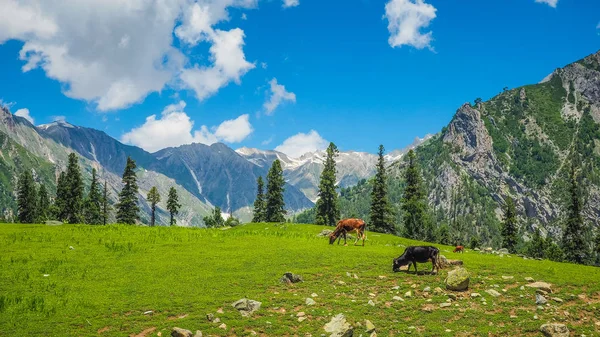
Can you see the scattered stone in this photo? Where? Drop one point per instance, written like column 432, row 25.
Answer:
column 341, row 282
column 522, row 288
column 539, row 307
column 493, row 292
column 474, row 295
column 438, row 290
column 210, row 317
column 427, row 289
column 314, row 295
column 535, row 317
column 289, row 278
column 455, row 262
column 414, row 285
column 372, row 295
column 339, row 327
column 529, row 279
column 348, row 274
column 219, row 311
column 458, row 279
column 443, row 261
column 556, row 299
column 71, row 248
column 325, row 232
column 507, row 277
column 301, row 314
column 540, row 300
column 484, row 303
column 373, row 334
column 452, row 296
column 217, row 320
column 395, row 287
column 149, row 312
column 541, row 292
column 370, row 327
column 489, row 249
column 310, row 301
column 449, row 300
column 301, row 319
column 503, row 251
column 408, row 294
column 555, row 330
column 223, row 326
column 513, row 316
column 448, row 330
column 356, row 276
column 179, row 332
column 541, row 285
column 398, row 298
column 198, row 333
column 46, row 275
column 246, row 307
column 476, row 249
column 444, row 305
column 371, row 303
column 382, row 277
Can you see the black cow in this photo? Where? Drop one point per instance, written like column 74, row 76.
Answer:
column 414, row 254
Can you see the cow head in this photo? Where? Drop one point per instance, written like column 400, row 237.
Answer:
column 399, row 262
column 332, row 237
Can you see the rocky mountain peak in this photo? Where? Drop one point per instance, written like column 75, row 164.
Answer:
column 467, row 131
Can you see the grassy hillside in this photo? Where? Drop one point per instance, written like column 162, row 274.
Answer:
column 114, row 274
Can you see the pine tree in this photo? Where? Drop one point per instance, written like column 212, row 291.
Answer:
column 574, row 244
column 173, row 205
column 60, row 203
column 43, row 204
column 275, row 206
column 215, row 220
column 93, row 202
column 381, row 212
column 26, row 198
column 153, row 198
column 105, row 205
column 127, row 207
column 414, row 203
column 509, row 227
column 73, row 207
column 328, row 212
column 537, row 246
column 259, row 202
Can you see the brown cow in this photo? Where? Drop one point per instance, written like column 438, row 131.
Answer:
column 346, row 226
column 459, row 249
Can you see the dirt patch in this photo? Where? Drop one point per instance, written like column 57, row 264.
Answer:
column 172, row 318
column 144, row 333
column 103, row 330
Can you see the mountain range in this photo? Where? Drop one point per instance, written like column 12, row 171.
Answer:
column 205, row 176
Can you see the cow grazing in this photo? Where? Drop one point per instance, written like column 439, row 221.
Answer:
column 459, row 249
column 414, row 254
column 346, row 226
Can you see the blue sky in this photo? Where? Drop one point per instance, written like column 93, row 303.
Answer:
column 266, row 73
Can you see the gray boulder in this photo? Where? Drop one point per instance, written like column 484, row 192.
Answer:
column 458, row 279
column 246, row 307
column 339, row 327
column 325, row 232
column 179, row 332
column 290, row 278
column 555, row 330
column 540, row 300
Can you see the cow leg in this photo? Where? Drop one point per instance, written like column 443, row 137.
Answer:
column 364, row 236
column 415, row 263
column 357, row 237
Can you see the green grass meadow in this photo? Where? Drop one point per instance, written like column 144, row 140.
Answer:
column 114, row 274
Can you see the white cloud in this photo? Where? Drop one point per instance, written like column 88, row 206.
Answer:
column 114, row 53
column 598, row 26
column 302, row 143
column 25, row 114
column 58, row 118
column 267, row 141
column 174, row 128
column 551, row 3
column 244, row 16
column 229, row 64
column 290, row 3
column 406, row 19
column 234, row 130
column 263, row 65
column 278, row 96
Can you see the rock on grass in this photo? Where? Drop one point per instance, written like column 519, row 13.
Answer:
column 246, row 307
column 179, row 332
column 555, row 330
column 458, row 279
column 339, row 327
